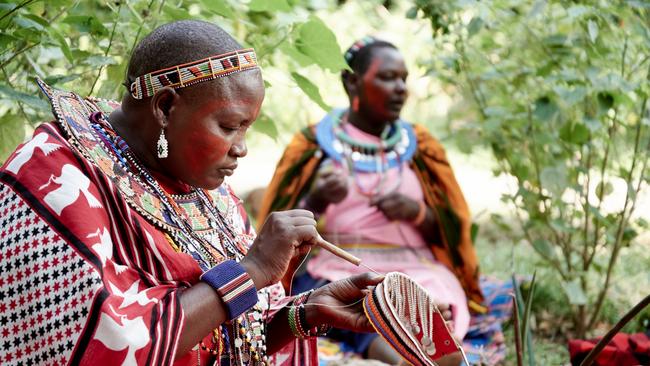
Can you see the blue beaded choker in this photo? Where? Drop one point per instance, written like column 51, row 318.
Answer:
column 363, row 159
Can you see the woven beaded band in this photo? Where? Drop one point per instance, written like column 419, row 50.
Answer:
column 233, row 285
column 193, row 72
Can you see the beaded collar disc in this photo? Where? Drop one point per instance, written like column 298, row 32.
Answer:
column 365, row 160
column 190, row 73
column 404, row 314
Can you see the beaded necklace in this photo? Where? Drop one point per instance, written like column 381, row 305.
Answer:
column 353, row 150
column 191, row 242
column 243, row 341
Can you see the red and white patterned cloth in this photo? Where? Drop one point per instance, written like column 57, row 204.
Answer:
column 86, row 279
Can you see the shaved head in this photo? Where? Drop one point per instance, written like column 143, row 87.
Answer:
column 178, row 43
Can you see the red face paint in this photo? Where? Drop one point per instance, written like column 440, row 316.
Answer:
column 207, row 137
column 383, row 92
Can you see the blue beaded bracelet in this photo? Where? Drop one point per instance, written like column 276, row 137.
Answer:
column 234, row 286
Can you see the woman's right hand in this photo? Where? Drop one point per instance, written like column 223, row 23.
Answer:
column 330, row 187
column 284, row 235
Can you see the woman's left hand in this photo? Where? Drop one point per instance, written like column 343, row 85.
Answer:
column 330, row 304
column 396, row 206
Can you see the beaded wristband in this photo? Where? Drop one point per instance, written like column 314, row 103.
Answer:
column 293, row 315
column 234, row 286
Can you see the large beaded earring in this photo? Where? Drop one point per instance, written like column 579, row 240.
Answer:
column 163, row 146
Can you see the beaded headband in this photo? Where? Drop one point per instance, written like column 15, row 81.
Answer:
column 190, row 73
column 358, row 45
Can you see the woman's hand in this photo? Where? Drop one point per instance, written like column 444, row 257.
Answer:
column 330, row 303
column 284, row 235
column 396, row 206
column 330, row 187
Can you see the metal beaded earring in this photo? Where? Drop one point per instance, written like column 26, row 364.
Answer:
column 163, row 146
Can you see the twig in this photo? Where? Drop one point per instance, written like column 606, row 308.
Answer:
column 515, row 318
column 591, row 356
column 110, row 43
column 19, row 52
column 623, row 221
column 23, row 4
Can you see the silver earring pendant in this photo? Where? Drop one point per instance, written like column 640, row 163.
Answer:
column 162, row 146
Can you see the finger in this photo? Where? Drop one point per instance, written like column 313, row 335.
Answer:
column 376, row 200
column 334, row 180
column 365, row 280
column 299, row 212
column 302, row 221
column 306, row 235
column 446, row 314
column 302, row 251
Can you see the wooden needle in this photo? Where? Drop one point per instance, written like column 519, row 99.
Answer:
column 337, row 251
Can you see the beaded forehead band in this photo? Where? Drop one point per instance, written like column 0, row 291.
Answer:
column 193, row 72
column 357, row 46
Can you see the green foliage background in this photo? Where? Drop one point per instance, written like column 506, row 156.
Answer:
column 556, row 90
column 84, row 46
column 560, row 90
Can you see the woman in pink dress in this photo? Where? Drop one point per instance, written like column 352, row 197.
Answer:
column 384, row 191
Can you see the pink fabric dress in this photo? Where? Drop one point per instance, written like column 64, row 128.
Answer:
column 384, row 245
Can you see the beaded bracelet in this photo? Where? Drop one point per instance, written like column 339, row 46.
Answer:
column 297, row 317
column 234, row 286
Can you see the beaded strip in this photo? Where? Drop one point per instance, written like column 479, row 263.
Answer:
column 406, row 316
column 190, row 73
column 357, row 46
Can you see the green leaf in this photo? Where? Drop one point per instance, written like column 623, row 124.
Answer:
column 592, row 28
column 545, row 248
column 318, row 42
column 28, row 99
column 220, row 7
column 554, row 179
column 6, row 39
column 28, row 23
column 12, row 133
column 176, row 13
column 545, row 109
column 60, row 79
column 40, row 20
column 605, row 102
column 474, row 26
column 525, row 324
column 575, row 133
column 86, row 24
column 99, row 60
column 310, row 89
column 296, row 55
column 604, row 188
column 412, row 13
column 474, row 231
column 269, row 5
column 266, row 126
column 63, row 44
column 574, row 293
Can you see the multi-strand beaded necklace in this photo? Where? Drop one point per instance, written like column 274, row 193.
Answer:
column 243, row 341
column 384, row 155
